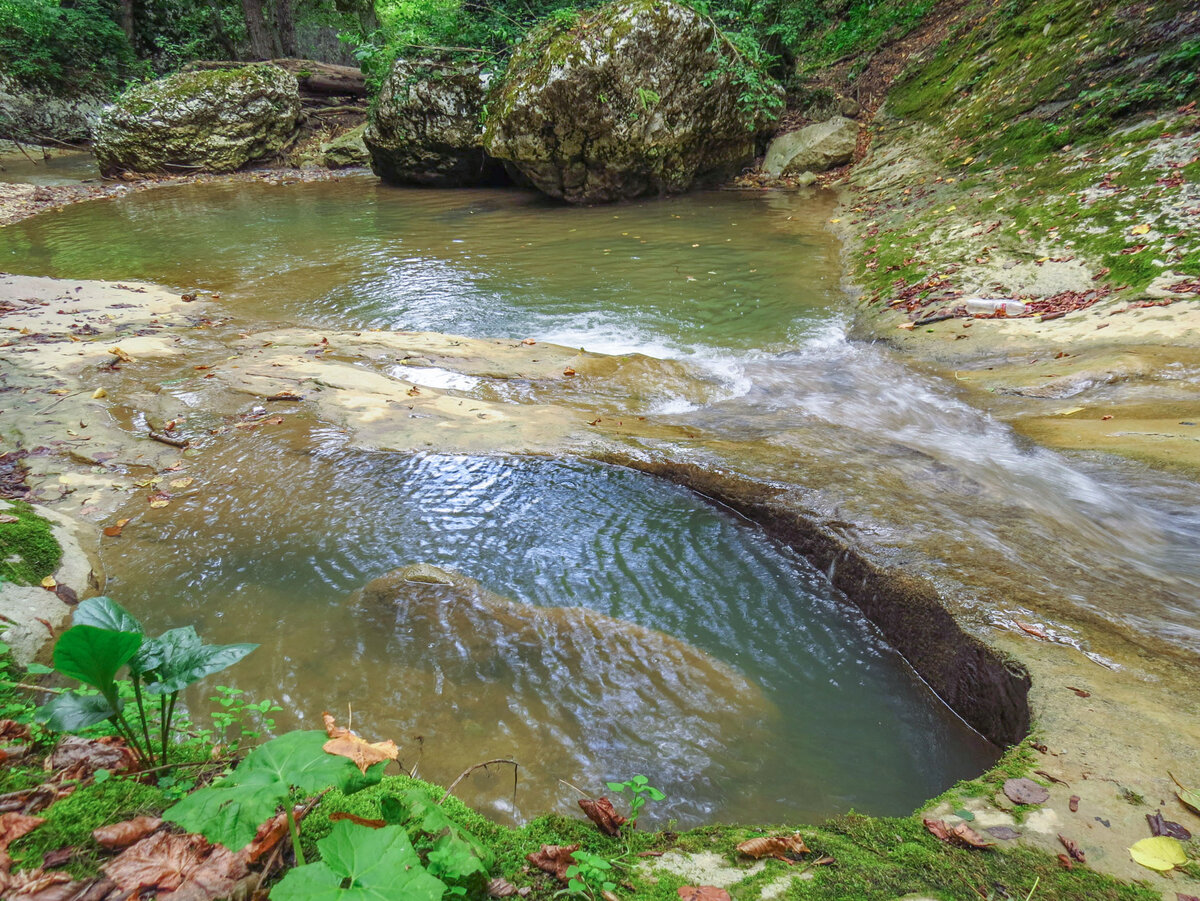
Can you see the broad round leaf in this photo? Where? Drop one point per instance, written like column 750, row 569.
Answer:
column 105, row 613
column 1160, row 853
column 73, row 712
column 94, row 655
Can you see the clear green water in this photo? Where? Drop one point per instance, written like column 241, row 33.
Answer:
column 782, row 703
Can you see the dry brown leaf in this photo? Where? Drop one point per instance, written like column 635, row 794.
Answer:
column 37, row 885
column 122, row 835
column 363, row 753
column 554, row 859
column 965, row 835
column 158, row 499
column 12, row 827
column 601, row 812
column 502, row 888
column 1073, row 804
column 354, row 818
column 1073, row 849
column 1032, row 630
column 703, row 893
column 83, row 756
column 1025, row 791
column 269, row 835
column 177, row 867
column 938, row 829
column 1065, row 862
column 11, row 730
column 776, row 846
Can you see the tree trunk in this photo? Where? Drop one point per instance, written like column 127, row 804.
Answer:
column 219, row 31
column 261, row 45
column 315, row 79
column 125, row 13
column 285, row 28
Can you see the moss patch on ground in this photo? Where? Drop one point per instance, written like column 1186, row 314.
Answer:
column 28, row 549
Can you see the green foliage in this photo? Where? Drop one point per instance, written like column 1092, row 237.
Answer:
column 361, row 864
column 28, row 550
column 454, row 855
column 69, row 45
column 238, row 719
column 105, row 638
column 590, row 875
column 230, row 811
column 640, row 791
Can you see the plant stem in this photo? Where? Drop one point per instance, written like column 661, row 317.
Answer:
column 137, row 694
column 167, row 711
column 294, row 832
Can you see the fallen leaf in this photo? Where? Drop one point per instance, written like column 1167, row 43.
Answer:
column 502, row 888
column 1025, row 791
column 776, row 846
column 1161, row 826
column 114, row 531
column 270, row 834
column 568, row 371
column 86, row 755
column 965, row 835
column 823, row 861
column 703, row 893
column 11, row 730
column 37, row 885
column 122, row 835
column 187, row 864
column 120, row 355
column 1139, row 229
column 1032, row 630
column 553, row 859
column 1005, row 833
column 1073, row 804
column 601, row 812
column 1051, row 777
column 1160, row 853
column 1073, row 848
column 1079, row 691
column 180, row 484
column 57, row 857
column 158, row 499
column 529, row 341
column 354, row 818
column 99, row 393
column 938, row 829
column 364, row 754
column 49, row 584
column 1065, row 862
column 12, row 826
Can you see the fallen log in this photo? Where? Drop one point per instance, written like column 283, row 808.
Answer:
column 320, row 79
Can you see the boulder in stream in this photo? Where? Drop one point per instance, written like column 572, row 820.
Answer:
column 814, row 148
column 217, row 121
column 424, row 126
column 637, row 97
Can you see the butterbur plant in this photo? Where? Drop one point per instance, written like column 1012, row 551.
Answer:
column 640, row 791
column 590, row 875
column 105, row 639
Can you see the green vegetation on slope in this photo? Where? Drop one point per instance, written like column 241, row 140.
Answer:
column 28, row 549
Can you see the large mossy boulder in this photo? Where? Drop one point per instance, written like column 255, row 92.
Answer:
column 814, row 148
column 637, row 97
column 424, row 126
column 217, row 121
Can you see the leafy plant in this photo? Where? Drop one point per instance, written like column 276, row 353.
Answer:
column 640, row 791
column 230, row 811
column 232, row 722
column 456, row 857
column 106, row 638
column 589, row 876
column 648, row 98
column 361, row 864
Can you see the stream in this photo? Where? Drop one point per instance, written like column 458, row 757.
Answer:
column 745, row 687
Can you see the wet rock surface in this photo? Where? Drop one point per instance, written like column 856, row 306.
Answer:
column 631, row 99
column 424, row 126
column 814, row 148
column 216, row 121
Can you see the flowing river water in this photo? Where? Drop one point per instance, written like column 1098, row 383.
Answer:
column 715, row 660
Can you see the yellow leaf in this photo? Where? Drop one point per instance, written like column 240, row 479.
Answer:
column 1139, row 230
column 952, row 207
column 180, row 484
column 99, row 393
column 344, row 743
column 49, row 584
column 1160, row 853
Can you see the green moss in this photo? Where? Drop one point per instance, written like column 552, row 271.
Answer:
column 28, row 550
column 70, row 821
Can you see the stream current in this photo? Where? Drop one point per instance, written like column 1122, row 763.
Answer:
column 747, row 688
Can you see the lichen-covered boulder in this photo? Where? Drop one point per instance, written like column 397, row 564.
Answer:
column 424, row 126
column 638, row 97
column 346, row 150
column 813, row 148
column 217, row 120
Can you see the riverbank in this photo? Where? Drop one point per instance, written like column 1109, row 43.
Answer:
column 1095, row 690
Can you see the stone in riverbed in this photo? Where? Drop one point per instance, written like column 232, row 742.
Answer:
column 346, row 150
column 216, row 121
column 634, row 98
column 814, row 148
column 424, row 126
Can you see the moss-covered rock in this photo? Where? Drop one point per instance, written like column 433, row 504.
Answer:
column 638, row 97
column 814, row 148
column 425, row 127
column 28, row 549
column 217, row 120
column 346, row 150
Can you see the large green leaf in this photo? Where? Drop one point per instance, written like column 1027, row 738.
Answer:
column 105, row 613
column 178, row 657
column 93, row 655
column 72, row 712
column 380, row 865
column 231, row 811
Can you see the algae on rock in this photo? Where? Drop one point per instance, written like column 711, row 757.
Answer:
column 217, row 120
column 635, row 98
column 425, row 128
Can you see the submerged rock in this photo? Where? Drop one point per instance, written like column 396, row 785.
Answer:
column 634, row 98
column 814, row 148
column 425, row 128
column 217, row 120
